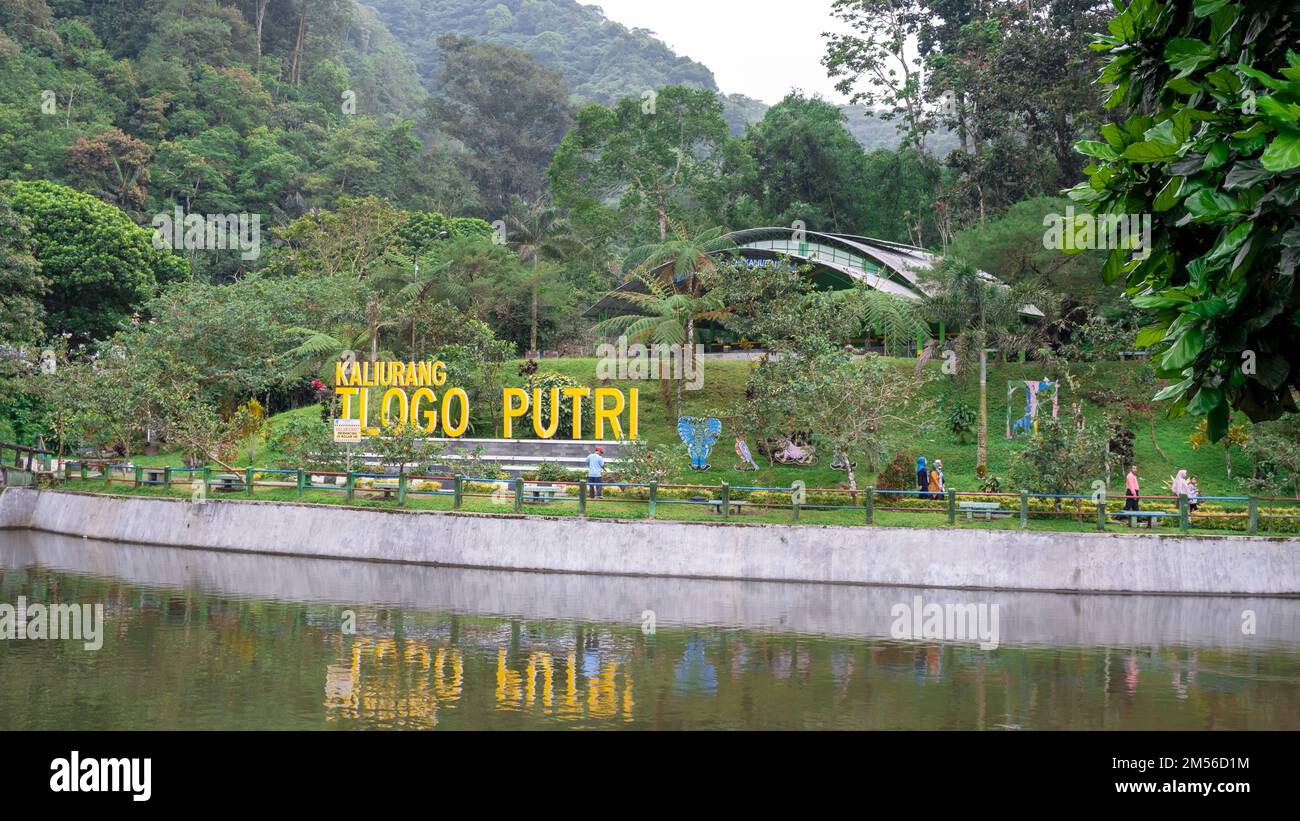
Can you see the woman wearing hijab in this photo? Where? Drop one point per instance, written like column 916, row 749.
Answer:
column 922, row 478
column 936, row 480
column 1180, row 487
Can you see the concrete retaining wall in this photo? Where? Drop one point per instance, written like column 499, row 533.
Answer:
column 996, row 559
column 852, row 611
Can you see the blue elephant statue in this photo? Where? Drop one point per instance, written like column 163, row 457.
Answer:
column 699, row 434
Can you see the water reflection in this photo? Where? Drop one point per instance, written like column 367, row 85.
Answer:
column 202, row 639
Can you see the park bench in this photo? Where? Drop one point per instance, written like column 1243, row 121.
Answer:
column 543, row 493
column 1134, row 516
column 986, row 509
column 227, row 483
column 152, row 476
column 736, row 505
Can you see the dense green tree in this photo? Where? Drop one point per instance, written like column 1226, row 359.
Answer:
column 874, row 64
column 1210, row 153
column 1062, row 457
column 1011, row 248
column 345, row 240
column 656, row 155
column 538, row 231
column 899, row 196
column 233, row 340
column 101, row 267
column 508, row 110
column 986, row 313
column 798, row 163
column 21, row 284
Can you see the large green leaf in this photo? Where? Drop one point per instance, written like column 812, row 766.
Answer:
column 1185, row 54
column 1150, row 335
column 1093, row 148
column 1246, row 174
column 1149, row 151
column 1206, row 400
column 1272, row 370
column 1171, row 391
column 1185, row 350
column 1207, row 205
column 1168, row 196
column 1283, row 153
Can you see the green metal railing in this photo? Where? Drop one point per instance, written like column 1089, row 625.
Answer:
column 1246, row 514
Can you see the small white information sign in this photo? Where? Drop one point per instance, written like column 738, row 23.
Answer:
column 347, row 430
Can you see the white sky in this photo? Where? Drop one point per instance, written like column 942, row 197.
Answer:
column 760, row 48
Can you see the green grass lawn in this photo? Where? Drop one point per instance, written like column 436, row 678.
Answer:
column 1071, row 519
column 724, row 381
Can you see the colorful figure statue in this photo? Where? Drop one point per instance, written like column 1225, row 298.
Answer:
column 699, row 433
column 1034, row 390
column 746, row 460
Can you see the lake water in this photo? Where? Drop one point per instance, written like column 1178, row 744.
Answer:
column 206, row 640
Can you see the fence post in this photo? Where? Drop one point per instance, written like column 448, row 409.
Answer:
column 139, row 475
column 167, row 479
column 794, row 504
column 952, row 506
column 870, row 504
column 108, row 473
column 726, row 500
column 401, row 490
column 457, row 491
column 84, row 474
column 1182, row 513
column 207, row 481
column 248, row 482
column 1024, row 509
column 67, row 471
column 582, row 497
column 519, row 494
column 1252, row 526
column 1101, row 511
column 302, row 477
column 654, row 497
column 351, row 486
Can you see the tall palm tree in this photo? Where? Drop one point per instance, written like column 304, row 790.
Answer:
column 673, row 273
column 537, row 231
column 664, row 317
column 320, row 348
column 987, row 312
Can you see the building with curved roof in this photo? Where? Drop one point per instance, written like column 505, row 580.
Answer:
column 836, row 260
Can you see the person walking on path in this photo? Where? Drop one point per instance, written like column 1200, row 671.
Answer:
column 936, row 480
column 922, row 478
column 1180, row 486
column 595, row 469
column 1131, row 488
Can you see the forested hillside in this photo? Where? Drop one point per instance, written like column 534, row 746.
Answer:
column 599, row 59
column 205, row 202
column 149, row 104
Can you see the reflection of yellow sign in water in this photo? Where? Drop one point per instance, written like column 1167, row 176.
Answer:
column 515, row 690
column 409, row 398
column 392, row 684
